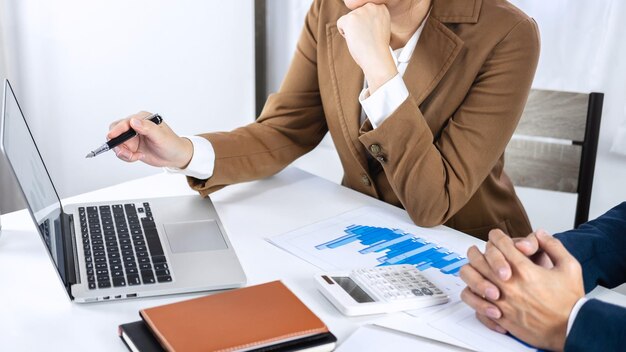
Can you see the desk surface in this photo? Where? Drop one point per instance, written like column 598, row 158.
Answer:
column 36, row 313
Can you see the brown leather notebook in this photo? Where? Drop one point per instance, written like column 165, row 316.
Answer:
column 238, row 320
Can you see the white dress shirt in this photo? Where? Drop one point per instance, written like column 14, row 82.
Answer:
column 573, row 313
column 377, row 107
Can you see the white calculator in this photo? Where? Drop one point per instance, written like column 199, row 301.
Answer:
column 381, row 289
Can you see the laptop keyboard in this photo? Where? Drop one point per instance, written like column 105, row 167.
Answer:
column 122, row 246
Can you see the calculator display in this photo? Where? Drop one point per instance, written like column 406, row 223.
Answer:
column 354, row 290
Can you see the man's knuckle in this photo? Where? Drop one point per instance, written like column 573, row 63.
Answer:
column 573, row 266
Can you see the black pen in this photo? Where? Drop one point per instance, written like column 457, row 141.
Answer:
column 156, row 118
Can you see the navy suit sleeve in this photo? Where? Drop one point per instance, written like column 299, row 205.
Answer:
column 599, row 326
column 600, row 247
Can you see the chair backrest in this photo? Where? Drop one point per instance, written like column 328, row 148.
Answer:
column 555, row 144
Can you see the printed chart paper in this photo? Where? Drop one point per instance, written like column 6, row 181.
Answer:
column 371, row 236
column 368, row 237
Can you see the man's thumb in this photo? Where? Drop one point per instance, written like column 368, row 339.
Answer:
column 553, row 248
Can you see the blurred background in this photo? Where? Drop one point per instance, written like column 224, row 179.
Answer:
column 208, row 65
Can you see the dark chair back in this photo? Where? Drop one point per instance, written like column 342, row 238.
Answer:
column 555, row 144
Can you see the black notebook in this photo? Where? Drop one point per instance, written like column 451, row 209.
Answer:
column 138, row 338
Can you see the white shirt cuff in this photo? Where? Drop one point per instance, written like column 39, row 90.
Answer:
column 202, row 162
column 384, row 101
column 573, row 313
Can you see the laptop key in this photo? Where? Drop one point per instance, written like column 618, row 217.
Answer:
column 147, row 277
column 104, row 284
column 92, row 285
column 165, row 278
column 160, row 266
column 158, row 259
column 133, row 280
column 119, row 282
column 162, row 273
column 155, row 246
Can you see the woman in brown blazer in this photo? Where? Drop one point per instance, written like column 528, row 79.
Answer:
column 425, row 131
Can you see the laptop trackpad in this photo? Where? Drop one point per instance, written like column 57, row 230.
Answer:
column 196, row 236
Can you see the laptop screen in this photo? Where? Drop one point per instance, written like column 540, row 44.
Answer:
column 42, row 199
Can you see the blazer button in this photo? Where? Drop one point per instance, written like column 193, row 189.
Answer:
column 365, row 180
column 375, row 148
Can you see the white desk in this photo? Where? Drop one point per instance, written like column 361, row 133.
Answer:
column 35, row 313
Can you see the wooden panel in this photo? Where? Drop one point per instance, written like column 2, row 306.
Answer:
column 554, row 114
column 543, row 165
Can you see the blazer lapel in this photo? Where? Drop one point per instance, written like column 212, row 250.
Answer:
column 434, row 54
column 347, row 79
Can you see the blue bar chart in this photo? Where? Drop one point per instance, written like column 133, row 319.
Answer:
column 398, row 247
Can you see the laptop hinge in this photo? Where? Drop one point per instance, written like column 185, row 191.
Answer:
column 71, row 257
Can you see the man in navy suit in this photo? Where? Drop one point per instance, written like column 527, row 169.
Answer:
column 534, row 287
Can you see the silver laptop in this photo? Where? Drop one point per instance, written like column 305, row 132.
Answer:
column 107, row 251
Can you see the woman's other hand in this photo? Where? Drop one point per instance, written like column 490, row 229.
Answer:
column 367, row 31
column 155, row 145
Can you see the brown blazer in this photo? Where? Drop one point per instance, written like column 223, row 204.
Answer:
column 440, row 154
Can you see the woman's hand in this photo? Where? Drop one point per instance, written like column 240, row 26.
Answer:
column 155, row 145
column 367, row 31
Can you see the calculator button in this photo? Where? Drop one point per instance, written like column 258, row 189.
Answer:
column 417, row 292
column 427, row 291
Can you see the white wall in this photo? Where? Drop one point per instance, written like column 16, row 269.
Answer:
column 10, row 199
column 582, row 51
column 78, row 65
